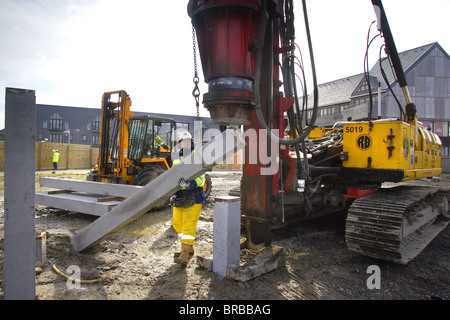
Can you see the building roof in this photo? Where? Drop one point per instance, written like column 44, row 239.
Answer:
column 408, row 59
column 80, row 117
column 340, row 91
column 336, row 91
column 374, row 85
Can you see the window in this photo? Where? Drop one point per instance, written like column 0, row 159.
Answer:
column 445, row 129
column 55, row 138
column 95, row 140
column 96, row 124
column 56, row 122
column 182, row 126
column 364, row 87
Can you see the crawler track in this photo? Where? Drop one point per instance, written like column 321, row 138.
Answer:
column 396, row 224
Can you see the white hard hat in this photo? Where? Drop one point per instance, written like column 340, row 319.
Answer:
column 184, row 135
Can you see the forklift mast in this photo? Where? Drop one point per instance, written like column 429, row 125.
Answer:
column 113, row 142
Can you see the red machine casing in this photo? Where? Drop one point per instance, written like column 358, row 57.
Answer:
column 228, row 39
column 227, row 35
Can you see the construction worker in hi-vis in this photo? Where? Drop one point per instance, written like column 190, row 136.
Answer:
column 187, row 204
column 56, row 155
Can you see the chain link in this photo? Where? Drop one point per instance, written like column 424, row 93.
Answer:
column 196, row 91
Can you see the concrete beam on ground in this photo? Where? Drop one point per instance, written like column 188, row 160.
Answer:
column 106, row 189
column 165, row 185
column 19, row 215
column 82, row 203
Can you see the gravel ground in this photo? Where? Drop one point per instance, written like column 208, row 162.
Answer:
column 136, row 263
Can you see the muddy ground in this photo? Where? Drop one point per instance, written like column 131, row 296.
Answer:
column 136, row 262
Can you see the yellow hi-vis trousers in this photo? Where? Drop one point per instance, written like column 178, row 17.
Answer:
column 185, row 222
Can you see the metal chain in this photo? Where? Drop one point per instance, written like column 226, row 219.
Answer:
column 196, row 91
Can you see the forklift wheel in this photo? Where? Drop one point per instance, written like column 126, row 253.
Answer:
column 147, row 175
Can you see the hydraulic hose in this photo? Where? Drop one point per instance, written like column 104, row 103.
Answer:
column 74, row 279
column 259, row 54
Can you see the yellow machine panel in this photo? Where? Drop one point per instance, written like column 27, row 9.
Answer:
column 397, row 148
column 318, row 132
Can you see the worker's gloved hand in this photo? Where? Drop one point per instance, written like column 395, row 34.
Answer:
column 172, row 200
column 183, row 183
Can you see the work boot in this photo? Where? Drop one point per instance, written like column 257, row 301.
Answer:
column 186, row 250
column 177, row 253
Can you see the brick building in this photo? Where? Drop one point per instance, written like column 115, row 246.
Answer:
column 82, row 125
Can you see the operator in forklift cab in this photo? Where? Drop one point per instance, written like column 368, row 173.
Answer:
column 187, row 203
column 151, row 150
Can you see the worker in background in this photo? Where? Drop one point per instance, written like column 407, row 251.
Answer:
column 148, row 144
column 56, row 155
column 187, row 204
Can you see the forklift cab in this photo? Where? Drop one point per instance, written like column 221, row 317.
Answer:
column 152, row 139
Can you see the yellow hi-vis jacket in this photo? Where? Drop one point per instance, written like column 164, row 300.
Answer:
column 55, row 155
column 194, row 187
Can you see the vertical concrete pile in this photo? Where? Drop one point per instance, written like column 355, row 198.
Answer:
column 19, row 246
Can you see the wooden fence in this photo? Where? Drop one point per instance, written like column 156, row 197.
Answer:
column 72, row 156
column 79, row 156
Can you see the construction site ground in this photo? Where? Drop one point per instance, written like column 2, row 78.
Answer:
column 136, row 263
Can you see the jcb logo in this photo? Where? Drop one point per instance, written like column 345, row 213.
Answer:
column 364, row 142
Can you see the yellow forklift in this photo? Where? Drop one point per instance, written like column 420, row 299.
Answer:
column 134, row 149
